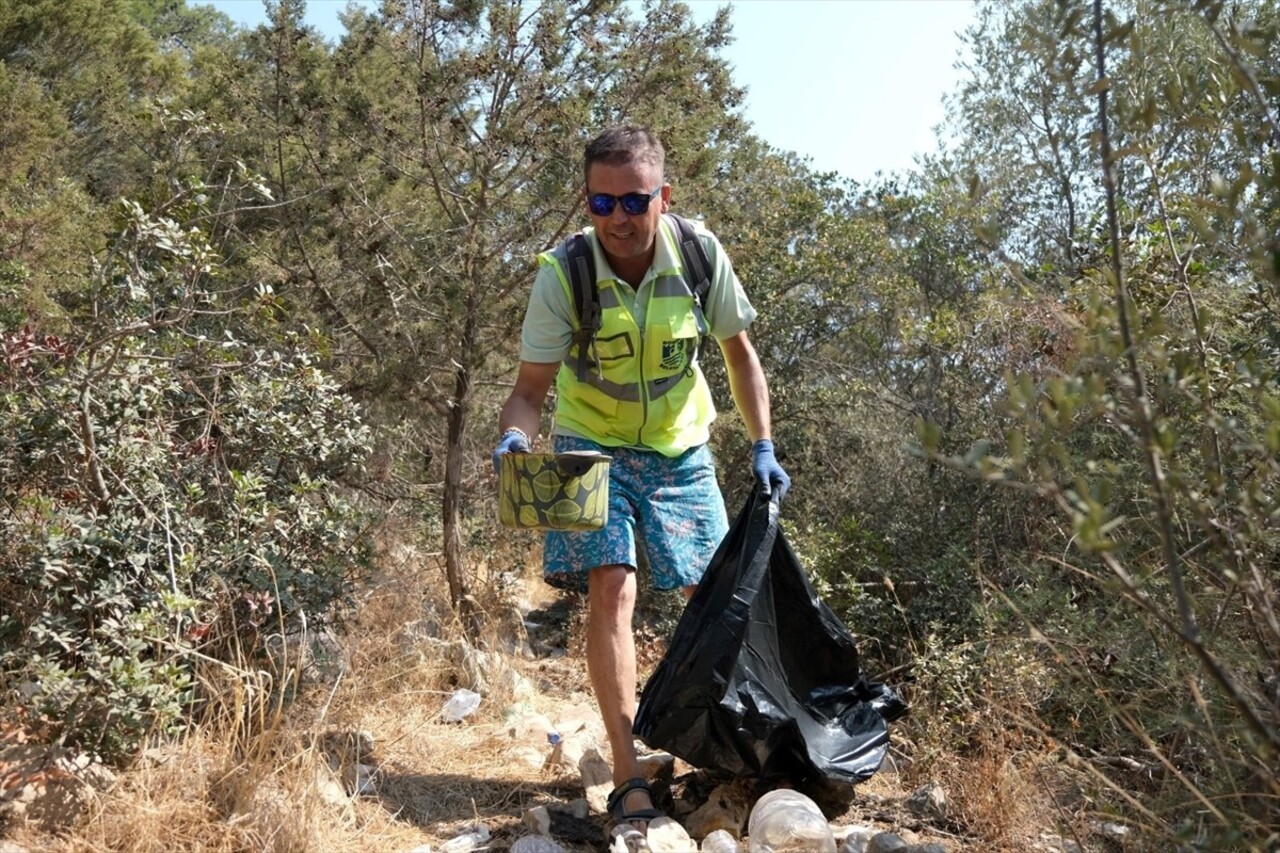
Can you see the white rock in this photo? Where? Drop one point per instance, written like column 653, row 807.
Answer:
column 654, row 763
column 597, row 779
column 528, row 756
column 330, row 789
column 854, row 839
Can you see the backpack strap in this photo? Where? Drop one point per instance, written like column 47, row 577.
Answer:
column 696, row 267
column 581, row 263
column 586, row 300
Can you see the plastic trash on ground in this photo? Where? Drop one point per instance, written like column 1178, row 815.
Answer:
column 463, row 703
column 788, row 820
column 761, row 679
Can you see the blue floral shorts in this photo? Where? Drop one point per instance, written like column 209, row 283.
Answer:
column 675, row 503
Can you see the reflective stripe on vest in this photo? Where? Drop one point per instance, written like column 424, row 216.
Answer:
column 641, row 389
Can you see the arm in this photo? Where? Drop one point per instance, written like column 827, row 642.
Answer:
column 523, row 409
column 751, row 396
column 747, row 382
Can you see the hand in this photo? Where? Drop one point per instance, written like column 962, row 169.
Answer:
column 767, row 469
column 513, row 441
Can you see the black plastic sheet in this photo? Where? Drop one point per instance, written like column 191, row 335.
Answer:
column 762, row 680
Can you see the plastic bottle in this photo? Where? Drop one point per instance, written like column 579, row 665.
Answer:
column 536, row 844
column 788, row 820
column 475, row 839
column 462, row 703
column 625, row 838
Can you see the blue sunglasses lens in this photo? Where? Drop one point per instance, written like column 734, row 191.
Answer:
column 633, row 204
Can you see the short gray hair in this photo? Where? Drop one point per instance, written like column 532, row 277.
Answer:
column 626, row 143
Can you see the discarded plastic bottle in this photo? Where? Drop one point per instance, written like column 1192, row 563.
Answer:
column 475, row 839
column 462, row 703
column 536, row 844
column 788, row 820
column 720, row 841
column 625, row 838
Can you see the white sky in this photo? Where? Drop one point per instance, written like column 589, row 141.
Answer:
column 855, row 85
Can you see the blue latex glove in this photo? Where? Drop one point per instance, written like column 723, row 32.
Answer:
column 768, row 471
column 513, row 441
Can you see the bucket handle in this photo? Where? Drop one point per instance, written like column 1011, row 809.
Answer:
column 577, row 464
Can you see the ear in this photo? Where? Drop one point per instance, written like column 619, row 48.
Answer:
column 666, row 197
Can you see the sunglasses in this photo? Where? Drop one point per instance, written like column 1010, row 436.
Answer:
column 633, row 204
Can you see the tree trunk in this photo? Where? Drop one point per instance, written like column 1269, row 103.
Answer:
column 460, row 596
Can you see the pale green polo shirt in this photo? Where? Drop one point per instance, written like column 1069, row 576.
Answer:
column 549, row 320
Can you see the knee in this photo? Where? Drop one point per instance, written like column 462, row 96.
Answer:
column 611, row 589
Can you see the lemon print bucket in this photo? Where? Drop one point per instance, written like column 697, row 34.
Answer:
column 554, row 491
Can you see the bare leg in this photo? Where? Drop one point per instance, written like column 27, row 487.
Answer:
column 611, row 663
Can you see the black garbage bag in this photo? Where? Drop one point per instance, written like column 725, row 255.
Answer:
column 761, row 679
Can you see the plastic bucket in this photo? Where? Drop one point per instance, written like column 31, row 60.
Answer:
column 554, row 491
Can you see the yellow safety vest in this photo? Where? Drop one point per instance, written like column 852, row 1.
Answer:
column 643, row 388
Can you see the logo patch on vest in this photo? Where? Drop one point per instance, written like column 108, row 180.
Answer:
column 672, row 355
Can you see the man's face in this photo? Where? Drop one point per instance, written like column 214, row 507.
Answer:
column 622, row 235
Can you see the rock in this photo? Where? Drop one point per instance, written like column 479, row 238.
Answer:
column 1057, row 844
column 538, row 819
column 726, row 808
column 929, row 802
column 653, row 764
column 515, row 685
column 330, row 790
column 360, row 780
column 51, row 787
column 576, row 718
column 579, row 808
column 316, row 655
column 530, row 726
column 887, row 842
column 854, row 839
column 932, row 847
column 529, row 756
column 567, row 755
column 597, row 779
column 667, row 836
column 7, row 846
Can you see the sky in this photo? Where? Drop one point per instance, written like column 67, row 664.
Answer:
column 856, row 86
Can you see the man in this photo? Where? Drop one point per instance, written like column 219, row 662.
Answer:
column 644, row 402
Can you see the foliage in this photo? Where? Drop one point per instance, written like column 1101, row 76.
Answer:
column 158, row 482
column 1153, row 437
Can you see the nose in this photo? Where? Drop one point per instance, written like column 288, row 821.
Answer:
column 618, row 216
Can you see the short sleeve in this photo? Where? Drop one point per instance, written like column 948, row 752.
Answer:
column 728, row 310
column 548, row 326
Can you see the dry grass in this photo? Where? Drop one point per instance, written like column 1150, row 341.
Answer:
column 252, row 776
column 259, row 775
